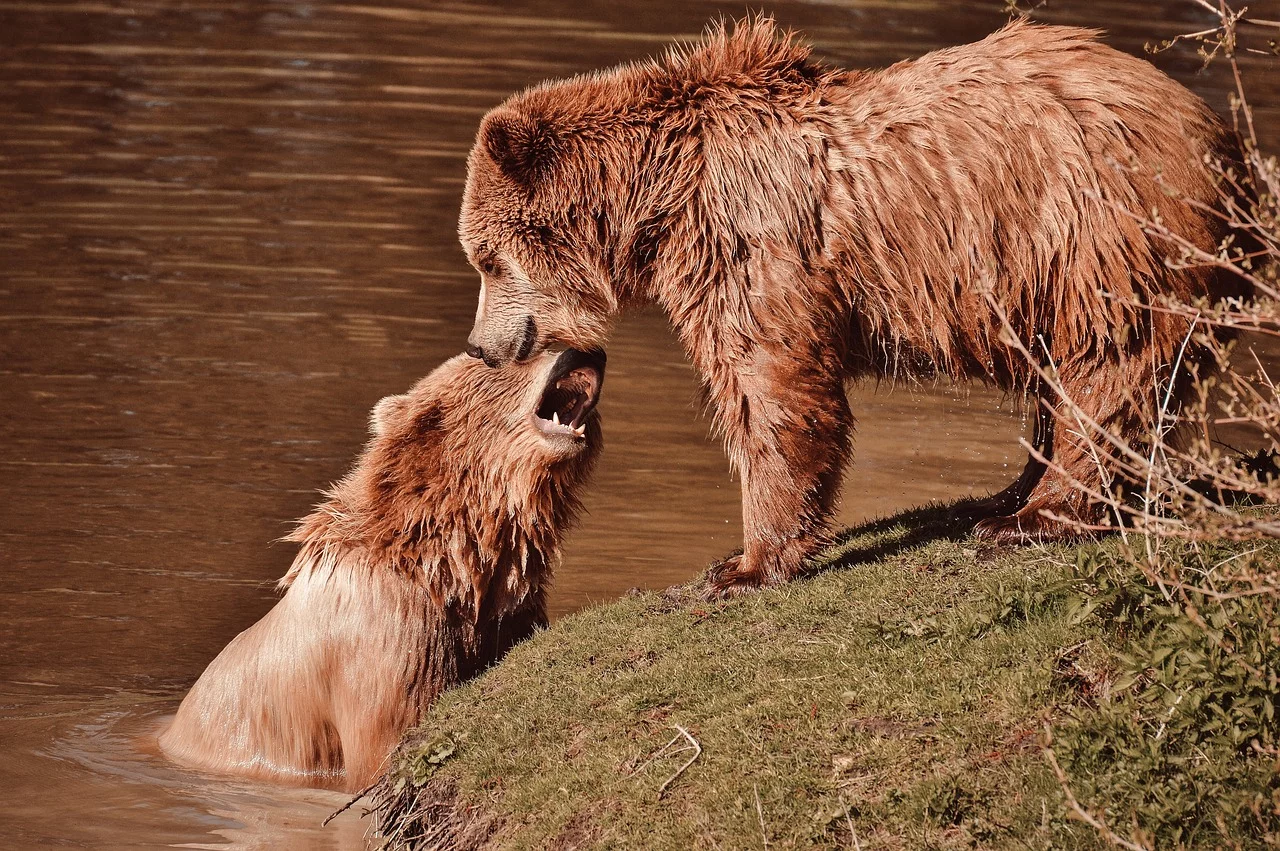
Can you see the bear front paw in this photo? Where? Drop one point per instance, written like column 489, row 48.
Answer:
column 732, row 578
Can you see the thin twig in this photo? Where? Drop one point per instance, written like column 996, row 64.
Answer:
column 697, row 752
column 853, row 833
column 764, row 834
column 659, row 752
column 349, row 804
column 666, row 750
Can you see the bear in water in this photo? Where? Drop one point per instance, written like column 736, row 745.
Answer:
column 804, row 225
column 421, row 568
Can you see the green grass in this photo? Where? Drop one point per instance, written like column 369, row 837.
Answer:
column 1183, row 752
column 898, row 701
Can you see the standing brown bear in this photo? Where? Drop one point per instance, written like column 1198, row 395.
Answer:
column 420, row 569
column 803, row 226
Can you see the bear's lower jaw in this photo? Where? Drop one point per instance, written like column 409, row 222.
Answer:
column 554, row 428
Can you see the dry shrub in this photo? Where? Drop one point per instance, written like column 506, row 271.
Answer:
column 1184, row 751
column 1188, row 479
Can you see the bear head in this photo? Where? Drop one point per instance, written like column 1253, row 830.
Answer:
column 595, row 192
column 507, row 424
column 533, row 225
column 471, row 449
column 471, row 477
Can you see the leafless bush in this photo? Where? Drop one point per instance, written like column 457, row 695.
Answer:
column 1206, row 469
column 1190, row 478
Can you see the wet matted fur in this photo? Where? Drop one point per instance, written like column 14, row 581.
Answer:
column 420, row 568
column 803, row 225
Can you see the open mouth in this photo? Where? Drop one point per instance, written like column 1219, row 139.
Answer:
column 571, row 394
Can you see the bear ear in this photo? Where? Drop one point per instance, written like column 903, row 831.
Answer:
column 387, row 413
column 524, row 146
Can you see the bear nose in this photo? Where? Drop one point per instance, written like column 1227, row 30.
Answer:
column 475, row 352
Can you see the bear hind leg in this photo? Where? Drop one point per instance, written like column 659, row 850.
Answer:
column 1061, row 505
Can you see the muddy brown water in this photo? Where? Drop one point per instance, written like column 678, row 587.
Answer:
column 226, row 230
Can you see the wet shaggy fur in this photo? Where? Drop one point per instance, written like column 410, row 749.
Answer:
column 421, row 568
column 804, row 225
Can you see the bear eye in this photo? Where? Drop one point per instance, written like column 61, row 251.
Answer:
column 488, row 267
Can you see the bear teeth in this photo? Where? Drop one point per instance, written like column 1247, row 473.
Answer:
column 555, row 426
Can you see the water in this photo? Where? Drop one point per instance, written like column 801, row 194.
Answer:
column 227, row 229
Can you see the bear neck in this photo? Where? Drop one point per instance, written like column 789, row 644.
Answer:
column 481, row 550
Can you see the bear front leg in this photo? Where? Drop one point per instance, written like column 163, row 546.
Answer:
column 787, row 426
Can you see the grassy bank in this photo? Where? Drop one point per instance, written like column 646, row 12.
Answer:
column 898, row 701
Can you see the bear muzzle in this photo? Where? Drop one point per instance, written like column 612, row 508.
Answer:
column 501, row 352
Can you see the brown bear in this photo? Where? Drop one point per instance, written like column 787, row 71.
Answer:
column 803, row 226
column 420, row 568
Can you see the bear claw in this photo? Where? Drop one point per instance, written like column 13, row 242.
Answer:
column 729, row 579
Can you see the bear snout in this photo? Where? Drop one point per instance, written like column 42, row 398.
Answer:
column 518, row 343
column 490, row 360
